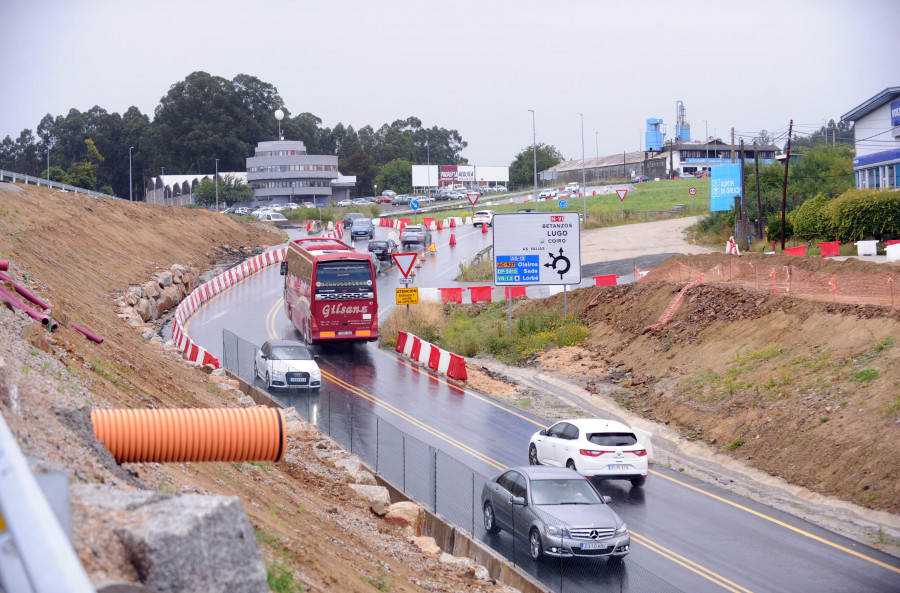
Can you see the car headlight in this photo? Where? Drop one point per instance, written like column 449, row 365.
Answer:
column 556, row 531
column 622, row 530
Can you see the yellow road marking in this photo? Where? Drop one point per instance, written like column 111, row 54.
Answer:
column 689, row 564
column 782, row 524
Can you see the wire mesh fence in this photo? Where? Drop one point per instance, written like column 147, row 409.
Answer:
column 439, row 482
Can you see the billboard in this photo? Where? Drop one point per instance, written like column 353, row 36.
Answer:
column 465, row 173
column 425, row 175
column 724, row 186
column 448, row 174
column 492, row 174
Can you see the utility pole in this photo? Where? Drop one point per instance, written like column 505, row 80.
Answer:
column 787, row 162
column 744, row 225
column 732, row 145
column 624, row 166
column 758, row 202
column 671, row 165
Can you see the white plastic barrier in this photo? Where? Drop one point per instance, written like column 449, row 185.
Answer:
column 468, row 220
column 430, row 295
column 893, row 252
column 424, row 351
column 866, row 247
column 444, row 363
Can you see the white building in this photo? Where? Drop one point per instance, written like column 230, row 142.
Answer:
column 877, row 139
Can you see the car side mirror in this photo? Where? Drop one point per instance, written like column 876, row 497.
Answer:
column 543, row 432
column 316, row 357
column 518, row 501
column 261, row 355
column 607, row 499
column 283, row 268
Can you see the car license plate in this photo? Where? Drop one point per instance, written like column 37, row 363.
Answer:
column 594, row 546
column 345, row 333
column 298, row 380
column 619, row 466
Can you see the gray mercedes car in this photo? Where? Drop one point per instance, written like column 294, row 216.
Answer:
column 558, row 512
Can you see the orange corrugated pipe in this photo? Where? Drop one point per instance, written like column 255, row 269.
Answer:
column 192, row 434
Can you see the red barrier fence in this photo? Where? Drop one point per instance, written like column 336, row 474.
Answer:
column 480, row 293
column 790, row 280
column 607, row 280
column 796, row 250
column 517, row 291
column 451, row 295
column 829, row 249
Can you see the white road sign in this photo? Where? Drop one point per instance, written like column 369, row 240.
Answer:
column 537, row 248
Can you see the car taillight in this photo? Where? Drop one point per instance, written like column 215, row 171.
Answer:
column 638, row 452
column 591, row 453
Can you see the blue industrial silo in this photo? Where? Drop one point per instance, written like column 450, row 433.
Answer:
column 654, row 135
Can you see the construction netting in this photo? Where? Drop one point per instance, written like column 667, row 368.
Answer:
column 788, row 280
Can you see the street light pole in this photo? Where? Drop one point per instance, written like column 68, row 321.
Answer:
column 583, row 184
column 48, row 166
column 130, row 182
column 537, row 202
column 217, row 185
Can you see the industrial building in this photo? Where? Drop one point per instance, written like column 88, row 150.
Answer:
column 877, row 140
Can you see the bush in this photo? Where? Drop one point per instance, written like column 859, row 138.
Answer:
column 773, row 229
column 862, row 213
column 808, row 217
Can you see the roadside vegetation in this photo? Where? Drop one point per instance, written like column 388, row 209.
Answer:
column 485, row 329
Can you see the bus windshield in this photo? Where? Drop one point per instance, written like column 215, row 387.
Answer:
column 344, row 278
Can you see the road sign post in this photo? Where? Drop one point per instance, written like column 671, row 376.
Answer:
column 622, row 193
column 414, row 204
column 693, row 193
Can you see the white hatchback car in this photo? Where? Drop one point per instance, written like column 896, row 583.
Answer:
column 594, row 448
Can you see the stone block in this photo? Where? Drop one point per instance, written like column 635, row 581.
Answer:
column 182, row 543
column 408, row 515
column 151, row 289
column 163, row 278
column 378, row 497
column 143, row 308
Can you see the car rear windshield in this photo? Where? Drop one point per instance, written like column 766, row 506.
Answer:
column 297, row 352
column 613, row 439
column 340, row 277
column 377, row 245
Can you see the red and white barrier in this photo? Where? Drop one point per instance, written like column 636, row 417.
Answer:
column 437, row 359
column 192, row 351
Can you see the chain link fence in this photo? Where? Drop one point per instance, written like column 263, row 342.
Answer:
column 439, row 482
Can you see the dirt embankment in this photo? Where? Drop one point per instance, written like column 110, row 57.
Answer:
column 79, row 253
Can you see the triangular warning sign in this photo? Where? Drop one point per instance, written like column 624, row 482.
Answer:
column 621, row 193
column 405, row 261
column 473, row 197
column 432, row 248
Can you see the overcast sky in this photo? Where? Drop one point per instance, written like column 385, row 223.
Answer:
column 473, row 66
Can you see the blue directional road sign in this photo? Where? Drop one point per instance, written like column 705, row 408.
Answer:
column 563, row 203
column 537, row 248
column 725, row 185
column 414, row 204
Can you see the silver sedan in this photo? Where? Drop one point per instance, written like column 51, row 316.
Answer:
column 558, row 511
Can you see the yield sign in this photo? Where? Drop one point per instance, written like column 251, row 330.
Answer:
column 472, row 198
column 621, row 193
column 405, row 261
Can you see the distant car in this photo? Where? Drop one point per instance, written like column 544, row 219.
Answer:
column 547, row 194
column 361, row 201
column 242, row 211
column 641, row 179
column 384, row 249
column 483, row 217
column 362, row 228
column 288, row 364
column 592, row 447
column 400, row 200
column 573, row 187
column 291, row 206
column 457, row 196
column 276, row 208
column 686, row 176
column 309, row 205
column 415, row 234
column 272, row 217
column 383, row 200
column 344, row 203
column 499, row 188
column 389, row 193
column 558, row 512
column 350, row 217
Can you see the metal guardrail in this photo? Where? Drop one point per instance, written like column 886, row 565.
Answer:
column 32, row 180
column 35, row 553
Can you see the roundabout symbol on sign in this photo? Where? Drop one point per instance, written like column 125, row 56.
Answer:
column 554, row 259
column 563, row 203
column 693, row 191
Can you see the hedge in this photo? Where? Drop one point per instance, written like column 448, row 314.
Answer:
column 808, row 217
column 862, row 214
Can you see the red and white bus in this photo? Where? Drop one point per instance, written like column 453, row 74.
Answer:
column 329, row 291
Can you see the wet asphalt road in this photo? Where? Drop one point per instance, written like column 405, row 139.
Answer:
column 686, row 535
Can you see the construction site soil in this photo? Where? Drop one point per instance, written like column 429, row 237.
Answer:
column 803, row 390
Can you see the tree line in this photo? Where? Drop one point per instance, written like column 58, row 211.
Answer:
column 203, row 118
